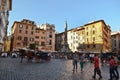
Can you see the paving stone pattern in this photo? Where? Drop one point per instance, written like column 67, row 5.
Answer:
column 56, row 69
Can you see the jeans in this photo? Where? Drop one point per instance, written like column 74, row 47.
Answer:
column 116, row 72
column 97, row 71
column 112, row 73
column 75, row 64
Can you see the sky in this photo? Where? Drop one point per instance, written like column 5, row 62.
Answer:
column 75, row 12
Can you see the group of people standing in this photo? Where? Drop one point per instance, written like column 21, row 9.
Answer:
column 75, row 61
column 113, row 66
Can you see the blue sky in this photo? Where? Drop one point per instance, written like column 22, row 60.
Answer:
column 76, row 12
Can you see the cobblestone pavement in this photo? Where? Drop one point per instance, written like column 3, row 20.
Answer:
column 56, row 69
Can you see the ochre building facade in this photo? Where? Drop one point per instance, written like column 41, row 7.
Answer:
column 26, row 33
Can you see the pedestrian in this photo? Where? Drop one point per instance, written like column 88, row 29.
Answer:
column 111, row 68
column 82, row 60
column 97, row 67
column 116, row 67
column 75, row 61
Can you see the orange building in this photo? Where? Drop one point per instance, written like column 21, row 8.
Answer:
column 26, row 34
column 40, row 39
column 50, row 36
column 23, row 34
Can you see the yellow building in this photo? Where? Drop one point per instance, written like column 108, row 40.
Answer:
column 97, row 37
column 92, row 37
column 7, row 44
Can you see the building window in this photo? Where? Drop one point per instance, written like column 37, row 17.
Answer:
column 86, row 28
column 25, row 43
column 93, row 38
column 0, row 35
column 26, row 27
column 25, row 38
column 87, row 39
column 71, row 44
column 18, row 44
column 76, row 37
column 50, row 36
column 37, row 37
column 115, row 43
column 0, row 21
column 50, row 42
column 87, row 33
column 32, row 32
column 93, row 32
column 42, row 37
column 37, row 42
column 37, row 31
column 50, row 28
column 114, row 36
column 76, row 41
column 115, row 49
column 26, row 32
column 42, row 43
column 19, row 38
column 20, row 26
column 20, row 31
column 32, row 27
column 31, row 39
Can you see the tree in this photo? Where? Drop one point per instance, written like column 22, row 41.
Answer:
column 32, row 46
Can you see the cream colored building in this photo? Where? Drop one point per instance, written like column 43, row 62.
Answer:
column 80, row 39
column 75, row 38
column 5, row 7
column 70, row 39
